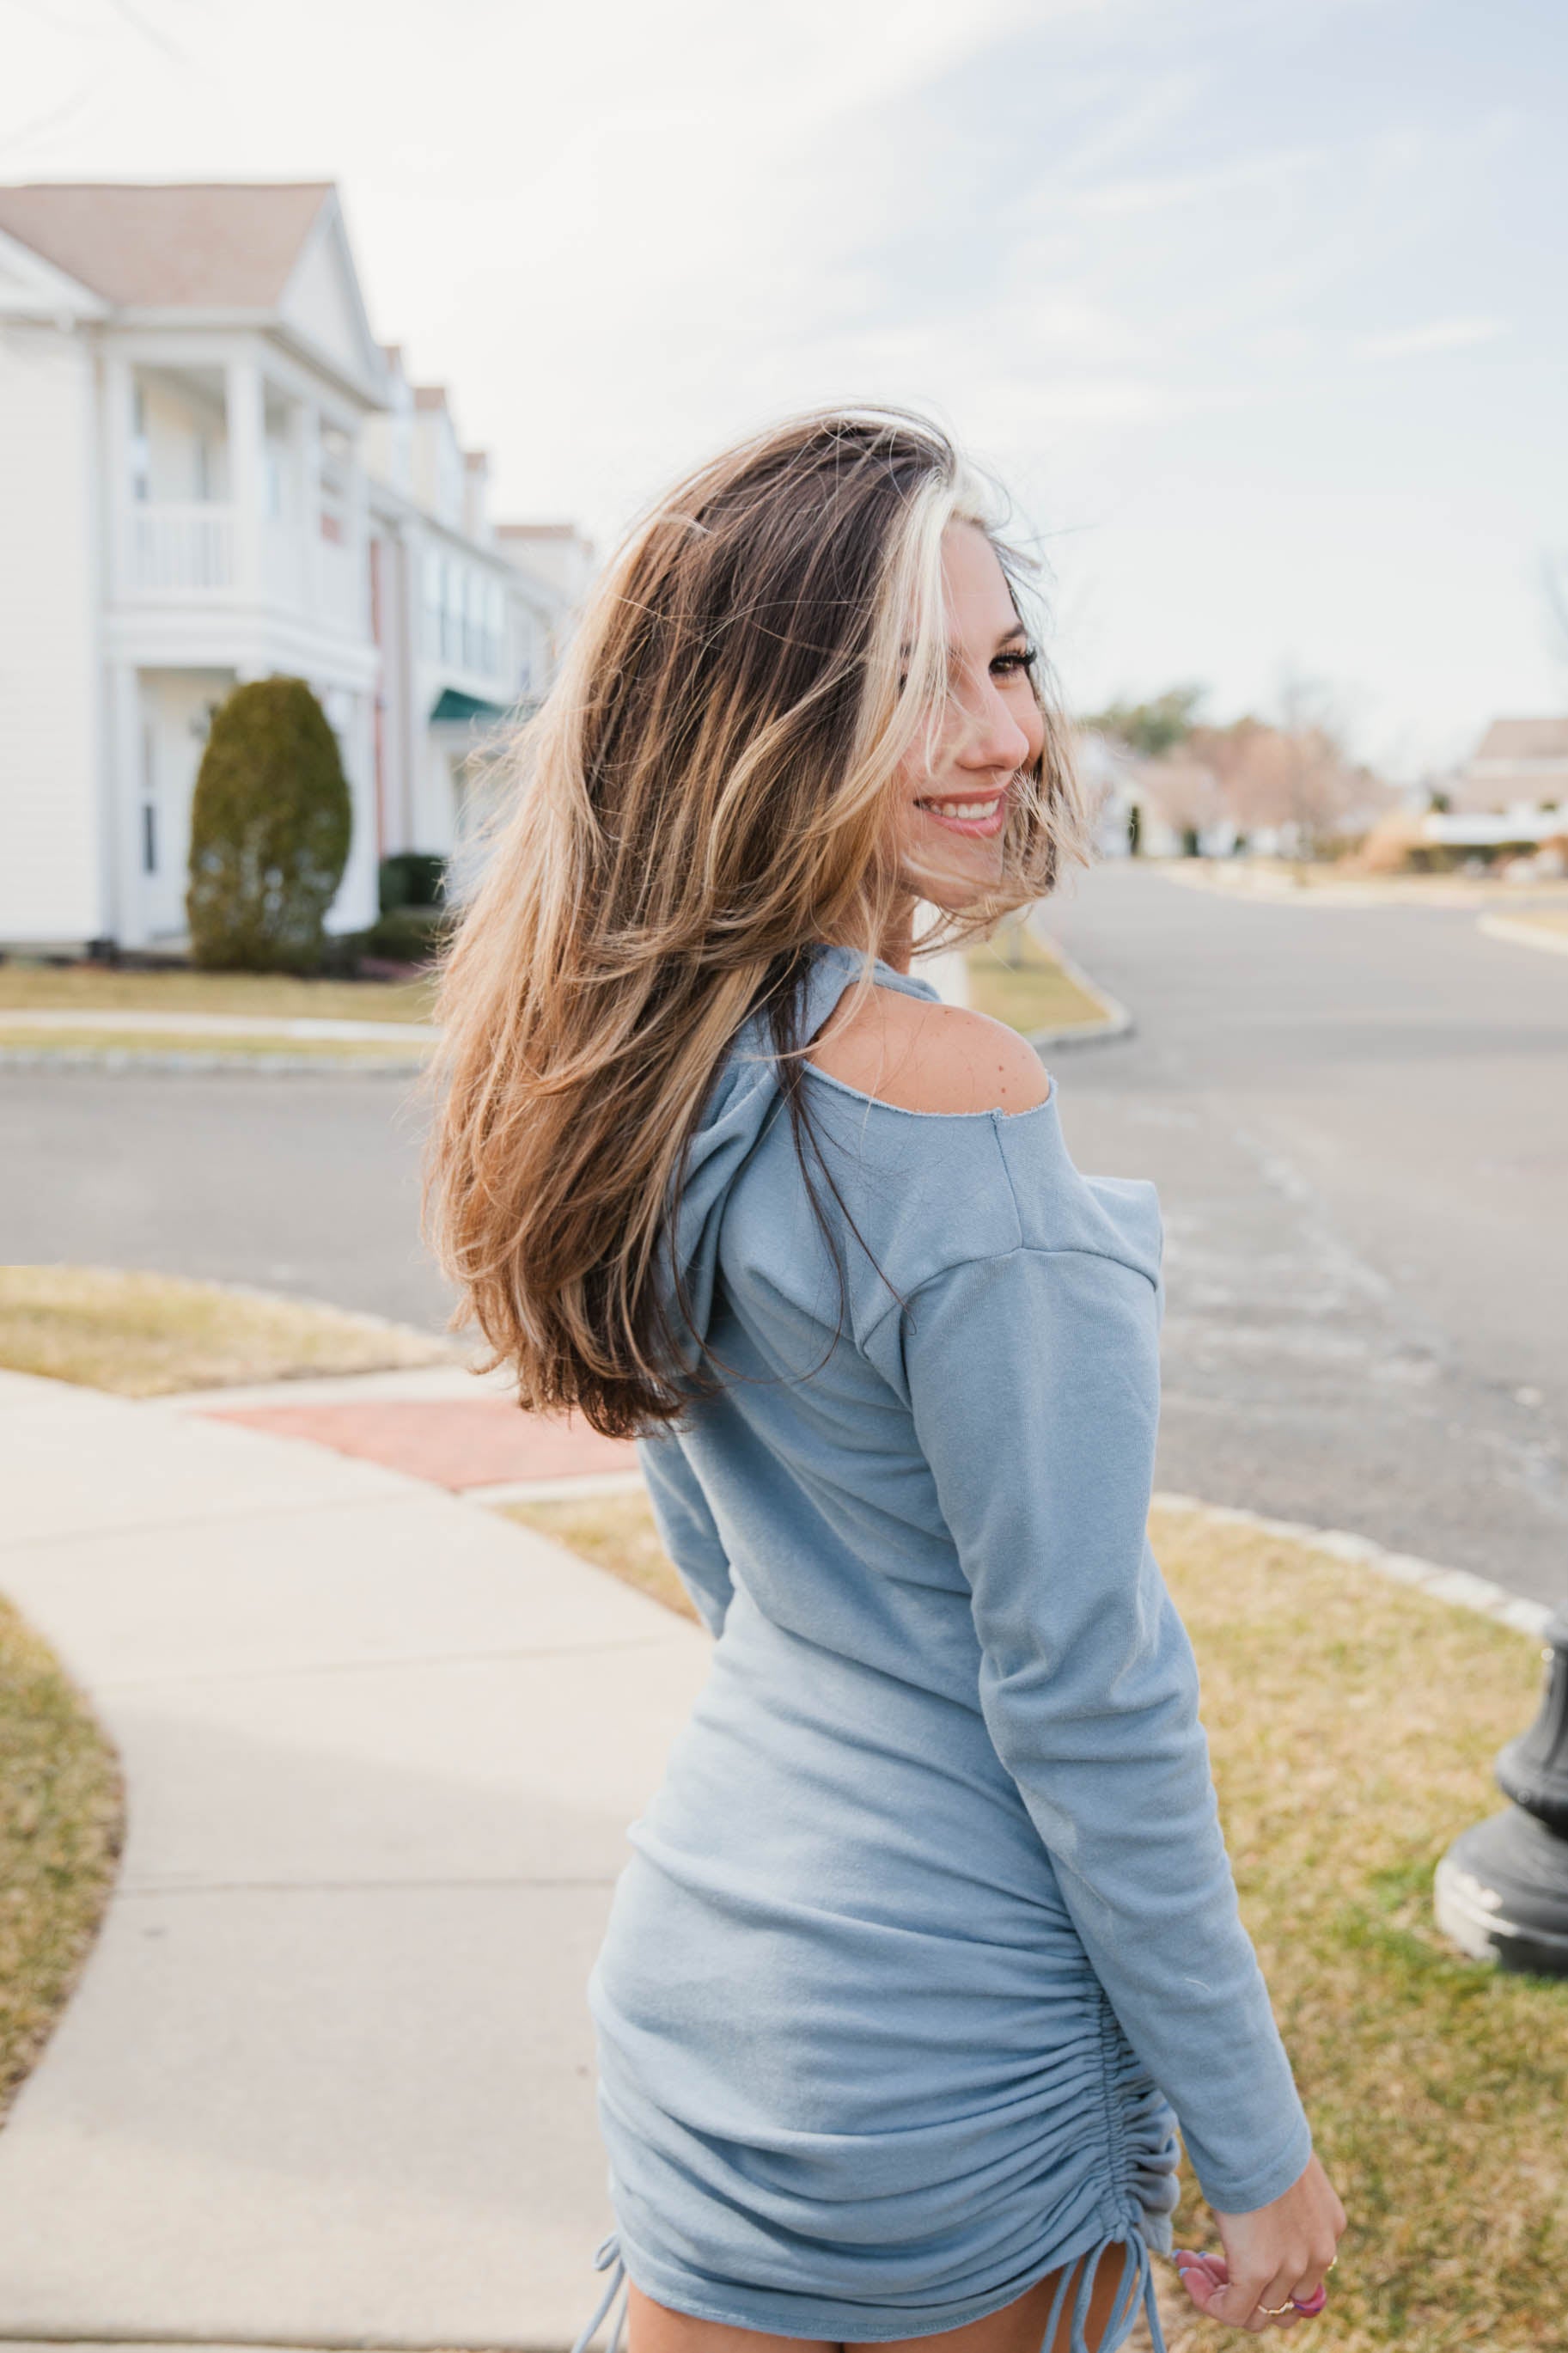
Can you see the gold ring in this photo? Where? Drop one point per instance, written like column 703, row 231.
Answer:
column 1274, row 2310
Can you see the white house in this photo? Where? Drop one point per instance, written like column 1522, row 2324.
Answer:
column 210, row 471
column 1519, row 763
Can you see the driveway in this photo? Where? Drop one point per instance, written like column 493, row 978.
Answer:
column 1357, row 1118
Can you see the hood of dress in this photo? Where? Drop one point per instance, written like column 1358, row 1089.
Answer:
column 742, row 1103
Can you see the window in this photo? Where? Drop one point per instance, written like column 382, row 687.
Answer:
column 495, row 626
column 452, row 611
column 335, row 461
column 474, row 622
column 432, row 583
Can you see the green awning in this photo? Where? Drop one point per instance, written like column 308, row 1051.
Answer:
column 451, row 708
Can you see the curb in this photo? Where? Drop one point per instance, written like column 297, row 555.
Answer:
column 1118, row 1022
column 1458, row 1586
column 1523, row 934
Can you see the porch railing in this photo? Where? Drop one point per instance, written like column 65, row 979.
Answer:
column 174, row 550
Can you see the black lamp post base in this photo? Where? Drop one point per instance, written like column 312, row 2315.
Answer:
column 1502, row 1893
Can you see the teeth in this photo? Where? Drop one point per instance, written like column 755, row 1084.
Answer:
column 964, row 808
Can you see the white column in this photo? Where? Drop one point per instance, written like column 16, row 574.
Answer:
column 119, row 396
column 947, row 970
column 243, row 398
column 126, row 915
column 357, row 536
column 308, row 443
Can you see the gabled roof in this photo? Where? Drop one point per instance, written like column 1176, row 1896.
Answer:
column 225, row 246
column 271, row 254
column 1524, row 739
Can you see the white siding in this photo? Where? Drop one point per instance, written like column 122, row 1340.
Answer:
column 51, row 849
column 319, row 301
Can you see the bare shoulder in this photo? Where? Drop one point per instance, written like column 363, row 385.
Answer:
column 918, row 1056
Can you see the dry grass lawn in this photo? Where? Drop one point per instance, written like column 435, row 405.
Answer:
column 615, row 1532
column 67, row 988
column 1017, row 980
column 1352, row 1725
column 146, row 1336
column 60, row 1824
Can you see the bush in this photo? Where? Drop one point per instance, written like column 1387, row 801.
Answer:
column 270, row 826
column 413, row 878
column 405, row 935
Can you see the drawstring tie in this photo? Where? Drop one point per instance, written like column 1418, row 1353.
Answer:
column 607, row 2257
column 1137, row 2282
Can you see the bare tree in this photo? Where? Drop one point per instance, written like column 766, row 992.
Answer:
column 1291, row 773
column 1184, row 791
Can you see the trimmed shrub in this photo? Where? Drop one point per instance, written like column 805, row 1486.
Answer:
column 407, row 935
column 270, row 826
column 412, row 878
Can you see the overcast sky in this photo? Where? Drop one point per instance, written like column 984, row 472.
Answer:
column 1258, row 304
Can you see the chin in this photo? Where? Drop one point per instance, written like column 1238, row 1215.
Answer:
column 957, row 891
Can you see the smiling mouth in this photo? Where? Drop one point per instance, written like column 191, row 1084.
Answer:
column 978, row 816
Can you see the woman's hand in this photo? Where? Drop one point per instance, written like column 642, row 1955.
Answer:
column 1278, row 2254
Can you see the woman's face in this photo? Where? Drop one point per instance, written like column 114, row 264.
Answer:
column 955, row 782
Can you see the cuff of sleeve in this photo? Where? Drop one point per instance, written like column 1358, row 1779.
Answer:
column 1230, row 2191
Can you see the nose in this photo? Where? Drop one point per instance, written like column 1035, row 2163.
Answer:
column 991, row 735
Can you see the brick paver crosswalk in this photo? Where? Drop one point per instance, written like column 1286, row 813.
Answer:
column 457, row 1443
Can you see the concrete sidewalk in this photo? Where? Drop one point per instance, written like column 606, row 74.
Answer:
column 327, row 2079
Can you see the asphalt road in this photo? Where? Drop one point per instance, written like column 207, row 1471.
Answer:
column 1357, row 1120
column 307, row 1183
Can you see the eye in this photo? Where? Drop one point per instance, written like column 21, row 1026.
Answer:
column 1016, row 662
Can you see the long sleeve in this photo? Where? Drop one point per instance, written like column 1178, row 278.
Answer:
column 686, row 1527
column 1034, row 1379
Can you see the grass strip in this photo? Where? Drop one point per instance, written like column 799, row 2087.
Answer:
column 615, row 1532
column 400, row 1053
column 1351, row 1725
column 1015, row 979
column 62, row 1816
column 97, row 989
column 142, row 1336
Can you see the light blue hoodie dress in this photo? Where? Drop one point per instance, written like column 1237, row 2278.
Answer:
column 929, row 1941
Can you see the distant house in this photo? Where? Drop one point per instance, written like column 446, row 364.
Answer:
column 210, row 471
column 1173, row 804
column 1519, row 763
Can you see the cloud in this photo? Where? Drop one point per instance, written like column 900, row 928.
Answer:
column 1438, row 335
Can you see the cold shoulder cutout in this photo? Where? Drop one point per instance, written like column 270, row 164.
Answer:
column 934, row 1058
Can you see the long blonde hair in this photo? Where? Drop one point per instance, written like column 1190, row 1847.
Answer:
column 704, row 796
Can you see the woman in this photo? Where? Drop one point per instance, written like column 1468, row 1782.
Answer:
column 929, row 1939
